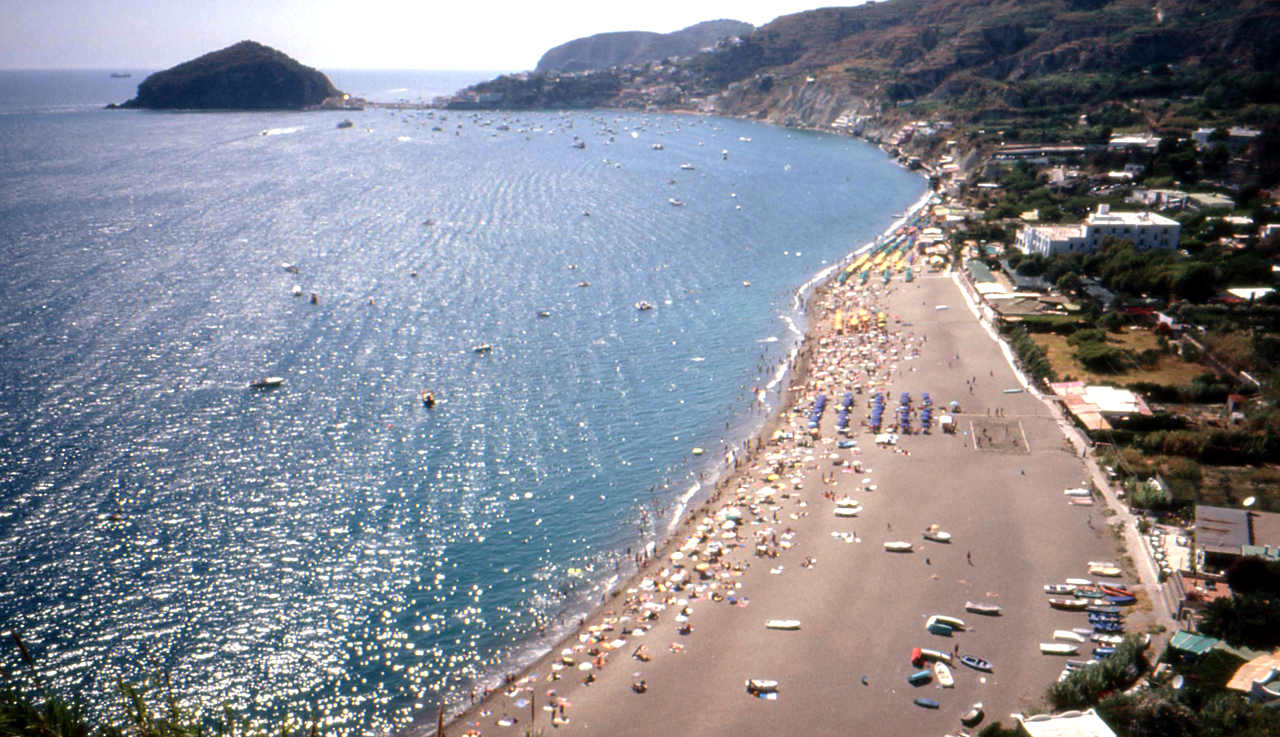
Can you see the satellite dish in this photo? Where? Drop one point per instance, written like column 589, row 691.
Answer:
column 1249, row 502
column 1177, row 682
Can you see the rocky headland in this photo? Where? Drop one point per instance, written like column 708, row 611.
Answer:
column 245, row 76
column 604, row 50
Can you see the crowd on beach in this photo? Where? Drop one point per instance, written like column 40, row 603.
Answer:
column 857, row 347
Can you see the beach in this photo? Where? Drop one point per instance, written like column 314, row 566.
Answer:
column 783, row 554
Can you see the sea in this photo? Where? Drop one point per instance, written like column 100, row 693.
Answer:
column 332, row 546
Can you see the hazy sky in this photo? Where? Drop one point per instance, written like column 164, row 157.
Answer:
column 341, row 34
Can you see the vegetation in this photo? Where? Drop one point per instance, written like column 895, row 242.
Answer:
column 1030, row 355
column 28, row 708
column 1085, row 686
column 1248, row 618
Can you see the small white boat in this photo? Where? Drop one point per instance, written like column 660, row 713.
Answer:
column 292, row 268
column 1076, row 492
column 674, row 202
column 1078, row 582
column 1106, row 571
column 267, row 382
column 1059, row 648
column 687, row 166
column 1069, row 604
column 761, row 685
column 1059, row 588
column 656, row 147
column 936, row 656
column 1068, row 635
column 296, row 291
column 954, row 623
column 847, row 507
column 482, row 348
column 977, row 607
column 643, row 306
column 782, row 624
column 943, row 674
column 897, row 546
column 937, row 534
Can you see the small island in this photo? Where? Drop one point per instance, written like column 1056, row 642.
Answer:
column 245, row 76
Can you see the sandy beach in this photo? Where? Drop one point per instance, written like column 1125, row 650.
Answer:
column 745, row 557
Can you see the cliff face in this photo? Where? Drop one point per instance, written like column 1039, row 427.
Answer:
column 605, row 50
column 246, row 76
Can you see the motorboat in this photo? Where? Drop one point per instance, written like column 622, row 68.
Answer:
column 267, row 382
column 1068, row 635
column 428, row 399
column 976, row 663
column 974, row 715
column 687, row 166
column 954, row 623
column 296, row 290
column 943, row 674
column 1107, row 571
column 761, row 685
column 937, row 534
column 1069, row 604
column 922, row 654
column 1059, row 588
column 782, row 624
column 847, row 507
column 482, row 348
column 977, row 607
column 920, row 677
column 643, row 306
column 345, row 123
column 897, row 546
column 674, row 202
column 656, row 147
column 1059, row 648
column 926, row 703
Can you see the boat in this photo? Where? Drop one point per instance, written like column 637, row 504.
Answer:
column 120, row 75
column 1059, row 588
column 687, row 166
column 1068, row 635
column 921, row 654
column 939, row 628
column 1110, row 590
column 1077, row 582
column 977, row 607
column 1059, row 648
column 1122, row 600
column 937, row 534
column 643, row 306
column 926, row 703
column 761, row 685
column 1107, row 571
column 428, row 399
column 1106, row 639
column 1069, row 604
column 1089, row 592
column 943, row 674
column 584, row 284
column 482, row 348
column 345, row 124
column 976, row 663
column 579, row 144
column 920, row 677
column 544, row 313
column 782, row 624
column 1103, row 609
column 973, row 716
column 954, row 623
column 847, row 507
column 292, row 268
column 296, row 291
column 674, row 202
column 1103, row 651
column 267, row 382
column 656, row 147
column 897, row 546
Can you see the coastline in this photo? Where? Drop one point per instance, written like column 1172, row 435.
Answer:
column 780, row 396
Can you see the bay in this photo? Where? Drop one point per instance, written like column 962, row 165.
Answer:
column 334, row 542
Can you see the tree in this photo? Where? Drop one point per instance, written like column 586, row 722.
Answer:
column 1069, row 283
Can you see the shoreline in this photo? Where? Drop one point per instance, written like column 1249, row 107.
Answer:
column 794, row 370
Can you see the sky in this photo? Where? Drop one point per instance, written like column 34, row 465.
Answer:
column 500, row 35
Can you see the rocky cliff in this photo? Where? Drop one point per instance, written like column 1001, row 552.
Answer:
column 246, row 76
column 605, row 50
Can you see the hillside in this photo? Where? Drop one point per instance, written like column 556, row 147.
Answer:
column 245, row 76
column 977, row 60
column 605, row 50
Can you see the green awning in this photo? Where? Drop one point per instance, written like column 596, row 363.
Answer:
column 1190, row 642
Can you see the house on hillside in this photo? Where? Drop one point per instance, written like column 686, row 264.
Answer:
column 1146, row 230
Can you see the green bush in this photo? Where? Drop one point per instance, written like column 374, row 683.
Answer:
column 1084, row 686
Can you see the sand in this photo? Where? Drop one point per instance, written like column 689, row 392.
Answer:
column 861, row 609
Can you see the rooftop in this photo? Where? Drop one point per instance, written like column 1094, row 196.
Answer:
column 1262, row 668
column 1222, row 529
column 1107, row 216
column 1067, row 724
column 1191, row 642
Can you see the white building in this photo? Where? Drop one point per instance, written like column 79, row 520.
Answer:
column 1147, row 230
column 1067, row 724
